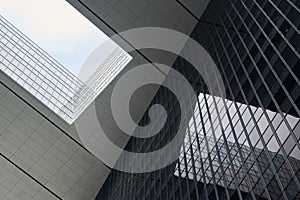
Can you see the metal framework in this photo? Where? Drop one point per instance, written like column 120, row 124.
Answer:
column 242, row 147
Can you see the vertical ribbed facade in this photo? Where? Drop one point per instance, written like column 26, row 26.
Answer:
column 247, row 145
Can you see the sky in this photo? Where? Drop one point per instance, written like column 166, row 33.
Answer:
column 56, row 27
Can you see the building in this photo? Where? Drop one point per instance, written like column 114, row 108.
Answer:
column 243, row 147
column 254, row 153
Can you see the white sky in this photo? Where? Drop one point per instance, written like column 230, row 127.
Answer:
column 56, row 27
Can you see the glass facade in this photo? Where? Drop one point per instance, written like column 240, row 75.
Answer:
column 245, row 146
column 50, row 82
column 35, row 70
column 102, row 76
column 243, row 159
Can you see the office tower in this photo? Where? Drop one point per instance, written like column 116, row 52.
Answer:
column 245, row 146
column 36, row 71
column 50, row 82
